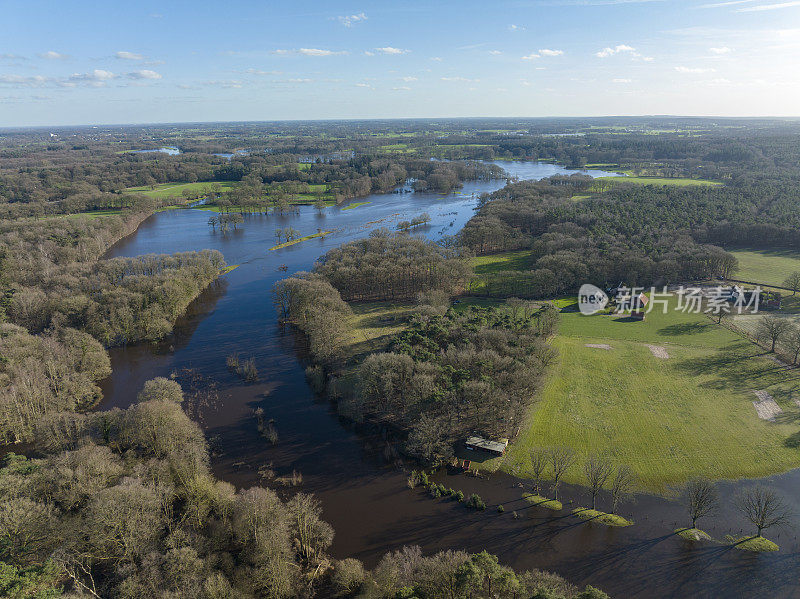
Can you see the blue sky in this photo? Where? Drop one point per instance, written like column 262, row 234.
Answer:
column 141, row 62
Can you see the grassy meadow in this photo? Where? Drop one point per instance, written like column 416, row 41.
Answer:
column 175, row 190
column 679, row 181
column 668, row 419
column 768, row 267
column 517, row 260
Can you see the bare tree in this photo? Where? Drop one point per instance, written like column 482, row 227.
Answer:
column 598, row 469
column 793, row 282
column 539, row 460
column 561, row 459
column 793, row 342
column 621, row 486
column 771, row 329
column 701, row 499
column 764, row 508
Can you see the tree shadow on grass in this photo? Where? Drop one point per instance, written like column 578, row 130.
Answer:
column 736, row 366
column 686, row 328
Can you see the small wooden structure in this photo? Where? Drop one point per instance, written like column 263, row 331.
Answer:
column 482, row 444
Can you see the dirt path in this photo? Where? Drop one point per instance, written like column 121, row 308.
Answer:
column 659, row 352
column 599, row 345
column 766, row 408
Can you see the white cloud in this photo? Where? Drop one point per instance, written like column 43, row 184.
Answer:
column 309, row 52
column 317, row 52
column 128, row 55
column 495, row 52
column 516, row 28
column 774, row 6
column 543, row 52
column 11, row 57
column 227, row 83
column 300, row 80
column 391, row 50
column 436, row 59
column 402, row 88
column 606, row 52
column 23, row 80
column 409, row 79
column 95, row 75
column 52, row 55
column 144, row 74
column 693, row 70
column 350, row 20
column 363, row 85
column 460, row 79
column 621, row 80
column 720, row 51
column 252, row 71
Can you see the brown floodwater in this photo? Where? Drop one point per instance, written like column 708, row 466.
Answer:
column 364, row 495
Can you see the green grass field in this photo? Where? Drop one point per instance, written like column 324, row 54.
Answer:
column 174, row 190
column 373, row 324
column 355, row 205
column 766, row 266
column 518, row 260
column 668, row 419
column 661, row 181
column 95, row 214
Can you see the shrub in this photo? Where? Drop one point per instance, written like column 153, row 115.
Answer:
column 315, row 376
column 414, row 479
column 248, row 370
column 476, row 502
column 500, row 509
column 459, row 496
column 348, row 576
column 435, row 493
column 423, row 477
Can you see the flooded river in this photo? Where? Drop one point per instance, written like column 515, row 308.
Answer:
column 363, row 497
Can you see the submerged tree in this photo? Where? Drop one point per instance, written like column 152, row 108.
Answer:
column 598, row 469
column 561, row 460
column 764, row 508
column 539, row 460
column 701, row 498
column 621, row 486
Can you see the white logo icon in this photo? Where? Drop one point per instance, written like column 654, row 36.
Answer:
column 591, row 299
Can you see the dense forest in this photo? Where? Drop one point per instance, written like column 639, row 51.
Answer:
column 388, row 266
column 448, row 376
column 639, row 235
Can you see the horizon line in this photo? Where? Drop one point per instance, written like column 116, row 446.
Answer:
column 373, row 119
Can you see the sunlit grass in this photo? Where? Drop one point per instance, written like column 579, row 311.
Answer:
column 667, row 419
